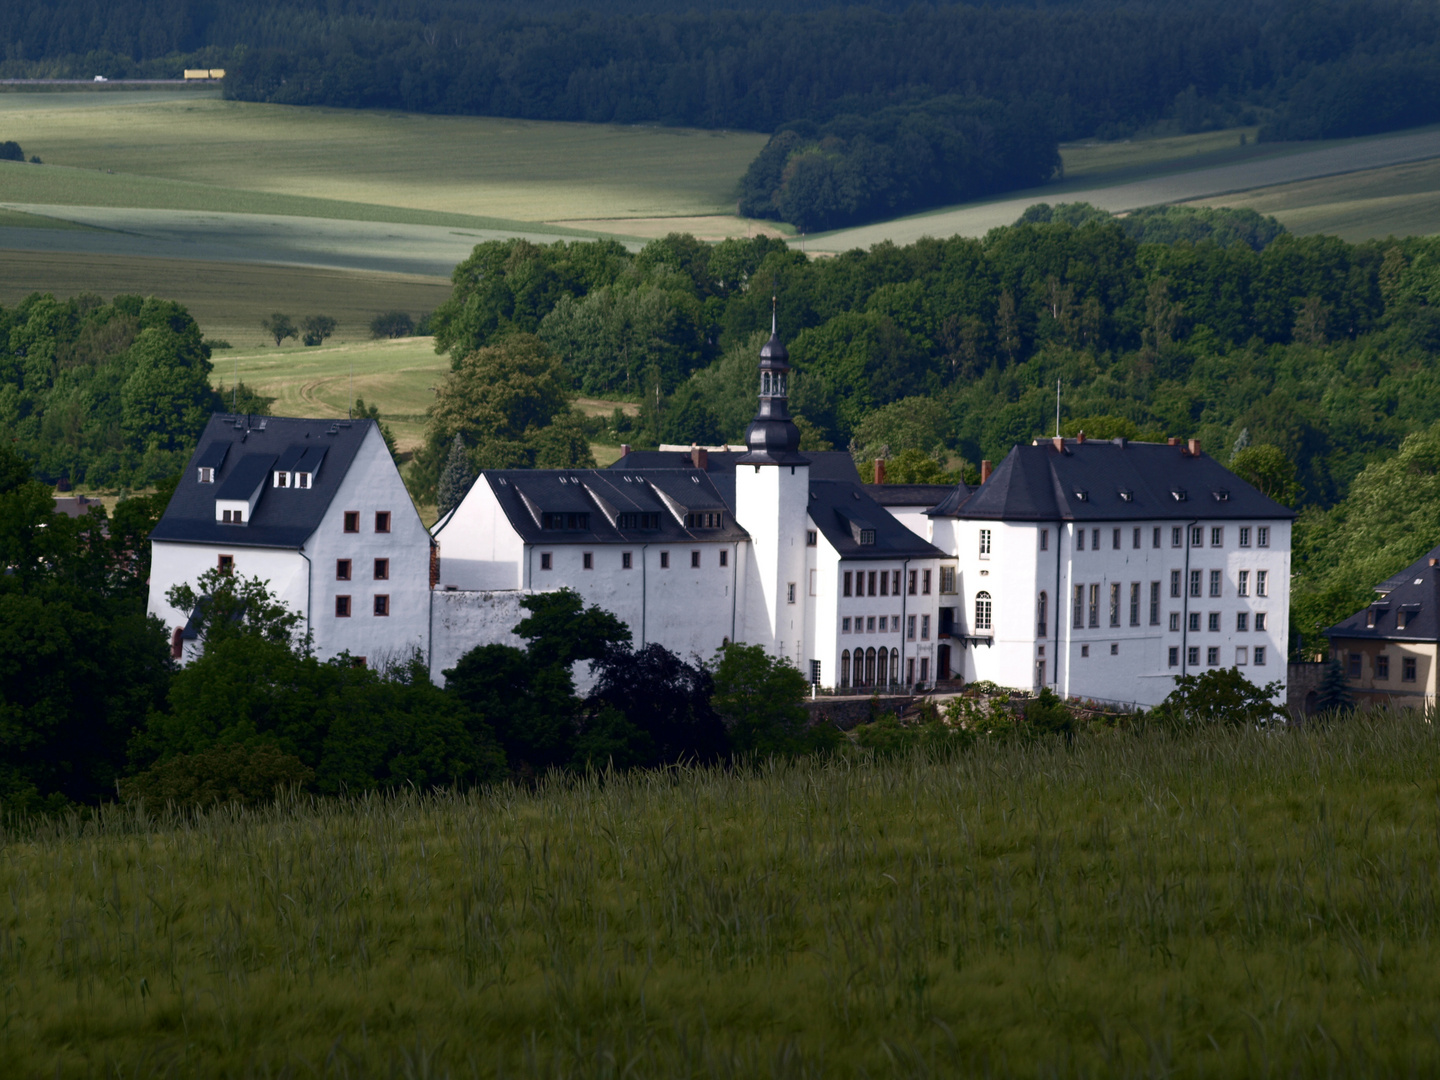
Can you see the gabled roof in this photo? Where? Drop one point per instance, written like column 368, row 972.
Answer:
column 842, row 509
column 1112, row 481
column 926, row 495
column 246, row 448
column 525, row 495
column 721, row 464
column 1415, row 592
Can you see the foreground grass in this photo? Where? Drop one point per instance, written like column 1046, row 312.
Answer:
column 1223, row 904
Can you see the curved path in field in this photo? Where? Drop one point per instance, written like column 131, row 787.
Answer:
column 1284, row 164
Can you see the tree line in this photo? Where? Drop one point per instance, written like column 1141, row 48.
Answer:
column 875, row 110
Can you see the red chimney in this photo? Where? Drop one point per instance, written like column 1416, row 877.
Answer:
column 1194, row 447
column 1172, row 441
column 879, row 470
column 700, row 457
column 985, row 469
column 1059, row 443
column 624, row 449
column 1080, row 437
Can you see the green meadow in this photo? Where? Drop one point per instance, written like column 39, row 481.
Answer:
column 1218, row 903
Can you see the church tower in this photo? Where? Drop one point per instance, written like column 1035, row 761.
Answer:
column 772, row 494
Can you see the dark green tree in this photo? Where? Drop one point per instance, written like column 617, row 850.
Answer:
column 392, row 324
column 1334, row 694
column 317, row 329
column 455, row 478
column 279, row 327
column 758, row 696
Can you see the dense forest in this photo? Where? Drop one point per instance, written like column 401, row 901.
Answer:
column 874, row 110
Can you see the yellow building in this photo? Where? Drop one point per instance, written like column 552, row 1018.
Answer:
column 1388, row 651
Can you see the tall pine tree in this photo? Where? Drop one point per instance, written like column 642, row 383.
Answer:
column 456, row 477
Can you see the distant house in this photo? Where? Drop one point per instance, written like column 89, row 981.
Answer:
column 1388, row 650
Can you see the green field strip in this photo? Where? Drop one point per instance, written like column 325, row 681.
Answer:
column 19, row 219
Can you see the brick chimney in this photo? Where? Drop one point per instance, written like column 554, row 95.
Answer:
column 1059, row 443
column 1080, row 437
column 700, row 457
column 624, row 449
column 1172, row 441
column 1194, row 447
column 879, row 470
column 985, row 470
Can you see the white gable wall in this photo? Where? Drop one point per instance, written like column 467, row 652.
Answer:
column 479, row 548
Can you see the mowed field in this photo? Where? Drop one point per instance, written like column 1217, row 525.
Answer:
column 1215, row 903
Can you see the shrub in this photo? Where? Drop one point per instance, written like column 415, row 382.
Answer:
column 10, row 151
column 392, row 324
column 1219, row 696
column 250, row 775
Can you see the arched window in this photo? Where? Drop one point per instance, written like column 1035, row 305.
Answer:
column 845, row 668
column 894, row 665
column 982, row 611
column 1042, row 610
column 869, row 667
column 882, row 668
column 765, row 383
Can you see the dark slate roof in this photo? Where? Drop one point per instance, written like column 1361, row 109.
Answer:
column 840, row 509
column 1112, row 481
column 1416, row 592
column 721, row 464
column 927, row 495
column 245, row 448
column 604, row 494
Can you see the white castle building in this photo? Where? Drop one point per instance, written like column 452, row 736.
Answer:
column 1098, row 569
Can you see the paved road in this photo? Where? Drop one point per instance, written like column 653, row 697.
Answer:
column 262, row 238
column 1285, row 167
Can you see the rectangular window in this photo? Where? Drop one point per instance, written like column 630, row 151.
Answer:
column 381, row 570
column 725, row 561
column 1212, row 656
column 1114, row 648
column 382, row 604
column 1214, row 582
column 664, row 560
column 789, row 588
column 883, row 622
column 1044, row 539
column 845, row 625
column 1094, row 606
column 871, row 582
column 1407, row 669
column 870, row 625
column 924, row 627
column 1259, row 620
column 1242, row 622
column 1262, row 536
column 947, row 580
column 352, row 521
column 225, row 563
column 1134, row 603
column 1174, row 582
column 1135, row 539
column 627, row 560
column 895, row 582
column 382, row 521
column 984, row 543
column 282, row 479
column 924, row 669
column 1262, row 583
column 812, row 538
column 587, row 560
column 1245, row 536
column 302, row 480
column 1382, row 666
column 910, row 628
column 1217, row 536
column 1175, row 536
column 1114, row 603
column 342, row 607
column 1213, row 624
column 207, row 475
column 1079, row 617
column 1257, row 656
column 546, row 561
column 910, row 670
column 1242, row 583
column 884, row 583
column 925, row 582
column 1242, row 655
column 1114, row 539
column 1197, row 536
column 914, row 575
column 1354, row 668
column 695, row 564
column 1155, row 537
column 1084, row 650
column 1079, row 539
column 1192, row 656
column 1194, row 622
column 1175, row 622
column 1194, row 582
column 845, row 584
column 1154, row 603
column 1094, row 539
column 1174, row 656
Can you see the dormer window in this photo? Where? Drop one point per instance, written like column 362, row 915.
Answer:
column 706, row 520
column 1083, row 496
column 1126, row 495
column 565, row 522
column 302, row 480
column 207, row 475
column 232, row 517
column 1222, row 495
column 641, row 522
column 1178, row 494
column 282, row 479
column 867, row 536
